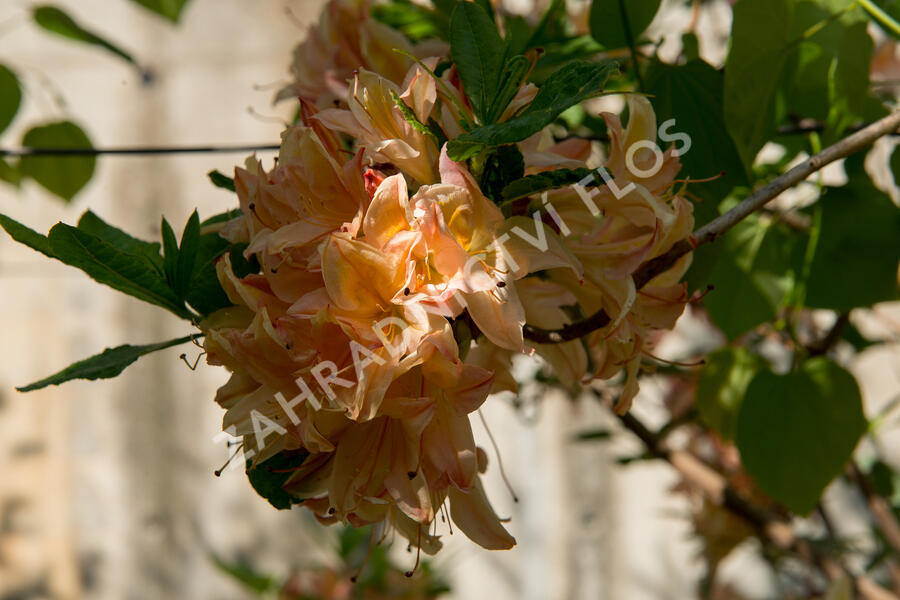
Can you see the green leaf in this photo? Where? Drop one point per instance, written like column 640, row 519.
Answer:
column 760, row 35
column 752, row 276
column 545, row 182
column 856, row 258
column 26, row 236
column 91, row 223
column 170, row 250
column 416, row 22
column 220, row 180
column 63, row 176
column 796, row 432
column 479, row 55
column 57, row 21
column 10, row 97
column 608, row 25
column 10, row 173
column 269, row 477
column 132, row 274
column 187, row 255
column 106, row 365
column 722, row 385
column 221, row 217
column 571, row 85
column 169, row 9
column 204, row 292
column 692, row 95
column 247, row 575
column 502, row 165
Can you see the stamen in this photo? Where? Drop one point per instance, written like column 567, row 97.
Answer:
column 418, row 554
column 366, row 559
column 218, row 472
column 509, row 486
column 192, row 367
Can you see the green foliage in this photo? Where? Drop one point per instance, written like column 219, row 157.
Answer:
column 10, row 97
column 169, row 9
column 752, row 276
column 55, row 20
column 786, row 57
column 608, row 18
column 479, row 55
column 417, row 22
column 246, row 574
column 190, row 266
column 574, row 83
column 691, row 94
column 221, row 180
column 269, row 477
column 857, row 254
column 502, row 165
column 722, row 385
column 546, row 181
column 63, row 176
column 797, row 431
column 106, row 365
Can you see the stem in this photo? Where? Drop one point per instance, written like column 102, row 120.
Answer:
column 629, row 37
column 717, row 227
column 884, row 19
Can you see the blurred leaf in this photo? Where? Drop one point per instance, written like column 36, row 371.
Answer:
column 416, row 22
column 571, row 85
column 57, row 21
column 856, row 258
column 170, row 9
column 690, row 46
column 63, row 176
column 594, row 435
column 608, row 23
column 10, row 173
column 246, row 574
column 268, row 477
column 221, row 180
column 796, row 432
column 760, row 35
column 752, row 276
column 692, row 95
column 545, row 182
column 106, row 365
column 722, row 385
column 479, row 55
column 10, row 97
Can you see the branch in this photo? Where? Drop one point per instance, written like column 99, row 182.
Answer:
column 717, row 227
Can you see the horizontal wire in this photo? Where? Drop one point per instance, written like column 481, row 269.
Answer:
column 134, row 151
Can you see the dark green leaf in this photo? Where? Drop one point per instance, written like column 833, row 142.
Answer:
column 63, row 176
column 205, row 293
column 170, row 249
column 571, row 85
column 170, row 9
column 241, row 265
column 27, row 236
column 10, row 173
column 57, row 21
column 692, row 95
column 91, row 223
column 269, row 477
column 187, row 255
column 608, row 24
column 502, row 166
column 593, row 435
column 545, row 182
column 221, row 180
column 479, row 55
column 722, row 385
column 221, row 217
column 797, row 431
column 10, row 97
column 106, row 365
column 856, row 257
column 131, row 274
column 752, row 276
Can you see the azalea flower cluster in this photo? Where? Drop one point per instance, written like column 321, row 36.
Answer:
column 375, row 249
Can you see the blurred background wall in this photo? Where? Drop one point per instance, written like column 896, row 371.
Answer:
column 107, row 488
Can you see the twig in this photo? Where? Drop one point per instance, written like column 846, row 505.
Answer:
column 717, row 227
column 832, row 337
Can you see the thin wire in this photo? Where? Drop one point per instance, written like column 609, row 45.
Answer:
column 135, row 151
